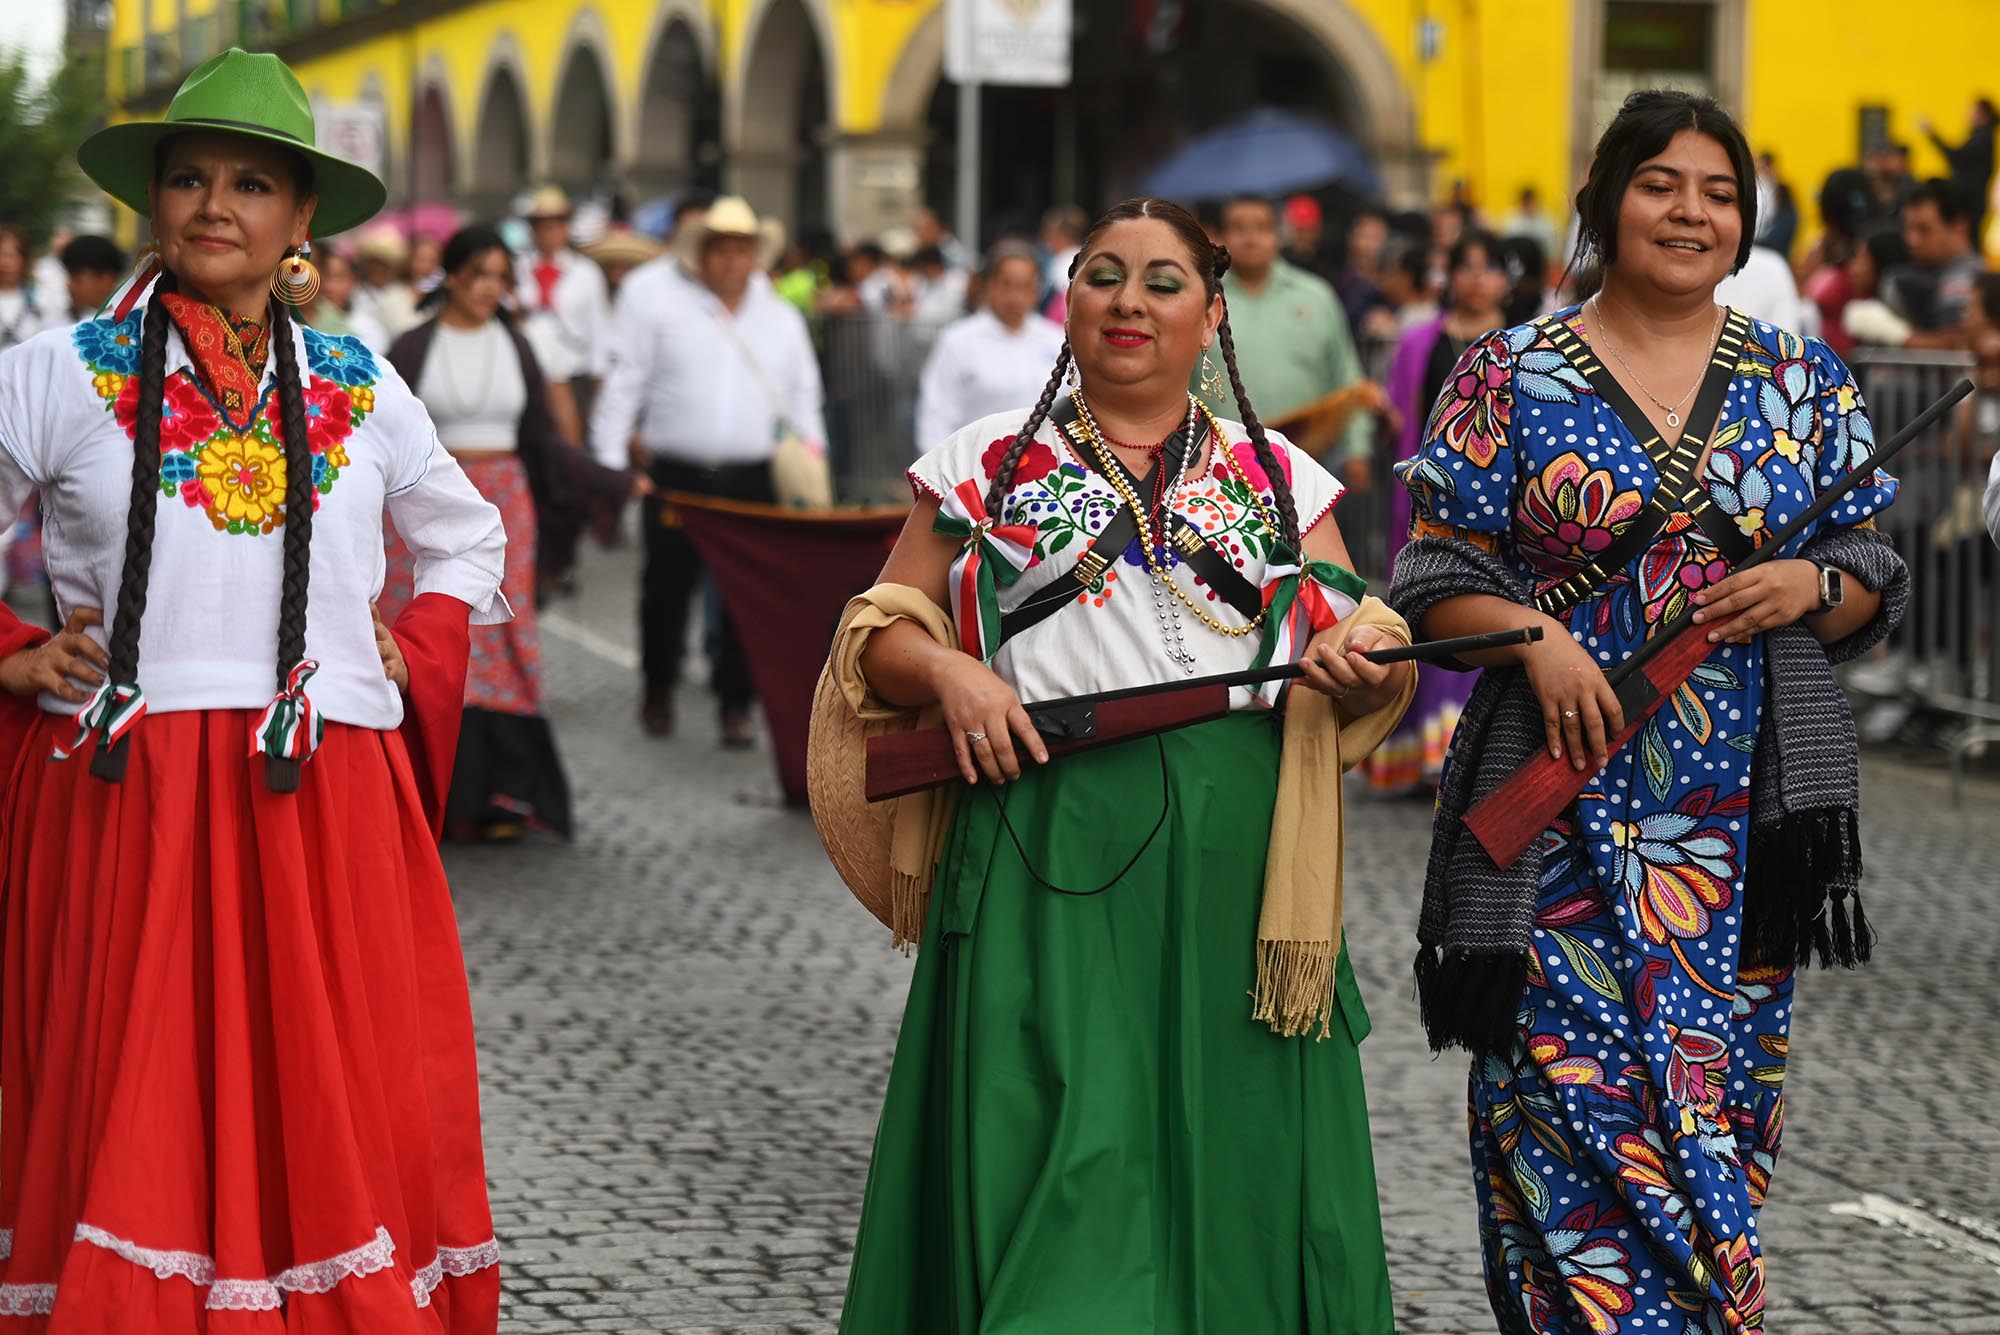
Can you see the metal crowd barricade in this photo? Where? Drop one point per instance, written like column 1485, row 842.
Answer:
column 1946, row 657
column 870, row 365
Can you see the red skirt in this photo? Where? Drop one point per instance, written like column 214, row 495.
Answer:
column 238, row 1091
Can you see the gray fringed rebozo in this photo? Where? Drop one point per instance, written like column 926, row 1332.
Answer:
column 1804, row 865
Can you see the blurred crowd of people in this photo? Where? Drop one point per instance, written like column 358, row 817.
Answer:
column 1347, row 314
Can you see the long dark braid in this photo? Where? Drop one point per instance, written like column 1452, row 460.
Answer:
column 109, row 761
column 1003, row 477
column 1267, row 458
column 281, row 773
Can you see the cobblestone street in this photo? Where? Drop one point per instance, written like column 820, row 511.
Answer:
column 686, row 1025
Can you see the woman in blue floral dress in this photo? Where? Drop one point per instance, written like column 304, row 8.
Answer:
column 1625, row 1130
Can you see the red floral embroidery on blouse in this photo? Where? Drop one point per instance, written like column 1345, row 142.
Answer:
column 186, row 418
column 1036, row 464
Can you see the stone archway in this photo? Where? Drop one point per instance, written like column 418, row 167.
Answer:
column 778, row 119
column 1324, row 42
column 582, row 129
column 433, row 151
column 677, row 135
column 501, row 153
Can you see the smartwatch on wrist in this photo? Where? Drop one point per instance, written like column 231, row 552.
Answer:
column 1831, row 588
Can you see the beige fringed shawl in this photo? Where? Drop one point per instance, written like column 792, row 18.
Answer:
column 1298, row 932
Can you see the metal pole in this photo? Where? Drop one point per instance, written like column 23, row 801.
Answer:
column 968, row 166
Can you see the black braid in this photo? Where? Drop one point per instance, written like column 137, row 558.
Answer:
column 1003, row 477
column 1267, row 458
column 281, row 773
column 109, row 761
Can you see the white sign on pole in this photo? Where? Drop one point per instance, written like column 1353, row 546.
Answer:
column 1018, row 42
column 356, row 131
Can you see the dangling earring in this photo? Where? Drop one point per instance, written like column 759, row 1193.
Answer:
column 296, row 281
column 1070, row 377
column 1212, row 384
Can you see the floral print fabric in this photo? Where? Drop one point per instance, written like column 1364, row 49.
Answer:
column 1623, row 1146
column 220, row 452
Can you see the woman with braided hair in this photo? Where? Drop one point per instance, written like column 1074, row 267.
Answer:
column 1127, row 1094
column 237, row 1079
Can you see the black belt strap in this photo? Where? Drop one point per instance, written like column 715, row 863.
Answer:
column 1215, row 570
column 1680, row 490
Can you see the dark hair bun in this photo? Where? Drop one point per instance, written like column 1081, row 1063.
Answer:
column 1221, row 259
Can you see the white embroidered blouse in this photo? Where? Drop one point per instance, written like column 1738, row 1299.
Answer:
column 1114, row 637
column 68, row 399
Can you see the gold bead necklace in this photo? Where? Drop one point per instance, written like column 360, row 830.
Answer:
column 1115, row 475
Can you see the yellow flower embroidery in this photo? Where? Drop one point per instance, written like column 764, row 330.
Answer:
column 1751, row 520
column 246, row 478
column 336, row 456
column 363, row 396
column 1786, row 445
column 1848, row 397
column 108, row 385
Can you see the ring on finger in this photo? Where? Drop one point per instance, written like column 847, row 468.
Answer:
column 1569, row 713
column 975, row 736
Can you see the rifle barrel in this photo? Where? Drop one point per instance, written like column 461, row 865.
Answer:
column 1775, row 543
column 1424, row 651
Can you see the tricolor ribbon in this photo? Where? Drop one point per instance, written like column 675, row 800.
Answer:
column 992, row 555
column 1299, row 603
column 115, row 710
column 291, row 727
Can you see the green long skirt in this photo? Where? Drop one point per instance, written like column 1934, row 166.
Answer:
column 1085, row 1132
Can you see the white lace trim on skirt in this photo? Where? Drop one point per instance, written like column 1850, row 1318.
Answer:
column 251, row 1295
column 458, row 1262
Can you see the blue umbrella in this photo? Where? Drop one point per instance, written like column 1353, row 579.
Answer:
column 1266, row 152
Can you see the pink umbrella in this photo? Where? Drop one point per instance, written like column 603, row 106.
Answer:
column 433, row 220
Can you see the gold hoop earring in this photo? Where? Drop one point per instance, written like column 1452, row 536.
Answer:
column 1212, row 384
column 296, row 281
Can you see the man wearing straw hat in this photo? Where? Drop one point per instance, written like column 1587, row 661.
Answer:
column 563, row 295
column 704, row 379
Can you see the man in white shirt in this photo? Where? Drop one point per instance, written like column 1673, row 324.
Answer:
column 384, row 297
column 1764, row 289
column 708, row 372
column 994, row 360
column 566, row 306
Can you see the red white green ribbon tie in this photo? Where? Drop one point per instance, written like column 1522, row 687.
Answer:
column 1299, row 603
column 291, row 727
column 114, row 710
column 993, row 554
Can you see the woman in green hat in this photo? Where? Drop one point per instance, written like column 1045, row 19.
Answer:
column 236, row 1052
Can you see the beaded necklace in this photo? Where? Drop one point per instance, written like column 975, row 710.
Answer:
column 1153, row 533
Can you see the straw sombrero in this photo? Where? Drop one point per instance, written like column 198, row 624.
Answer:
column 856, row 832
column 624, row 246
column 731, row 215
column 253, row 95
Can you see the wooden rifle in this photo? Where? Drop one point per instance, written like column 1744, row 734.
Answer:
column 1513, row 815
column 908, row 762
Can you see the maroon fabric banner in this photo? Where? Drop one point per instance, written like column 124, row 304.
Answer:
column 785, row 576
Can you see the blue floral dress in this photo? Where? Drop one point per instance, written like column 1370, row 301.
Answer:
column 1622, row 1148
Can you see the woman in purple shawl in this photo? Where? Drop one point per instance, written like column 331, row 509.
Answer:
column 1413, row 756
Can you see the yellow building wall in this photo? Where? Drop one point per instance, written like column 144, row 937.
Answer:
column 1493, row 102
column 1813, row 64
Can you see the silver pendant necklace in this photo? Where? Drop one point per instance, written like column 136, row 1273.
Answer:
column 1673, row 413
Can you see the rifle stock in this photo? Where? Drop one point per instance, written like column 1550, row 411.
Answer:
column 1514, row 815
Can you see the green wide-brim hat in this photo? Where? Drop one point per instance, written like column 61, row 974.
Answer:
column 242, row 93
